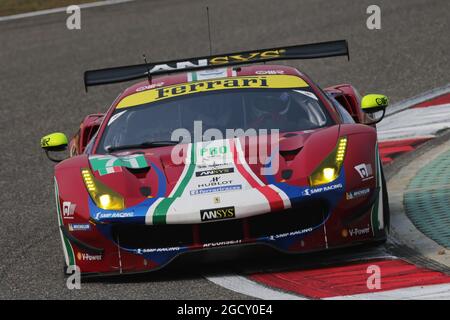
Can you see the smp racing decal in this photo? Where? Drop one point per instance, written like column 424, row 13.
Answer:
column 247, row 82
column 290, row 234
column 153, row 250
column 110, row 164
column 112, row 215
column 312, row 191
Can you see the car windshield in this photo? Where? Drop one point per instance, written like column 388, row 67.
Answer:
column 250, row 110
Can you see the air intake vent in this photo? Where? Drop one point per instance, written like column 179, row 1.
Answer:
column 289, row 155
column 138, row 171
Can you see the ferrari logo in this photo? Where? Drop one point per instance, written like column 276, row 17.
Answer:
column 216, row 199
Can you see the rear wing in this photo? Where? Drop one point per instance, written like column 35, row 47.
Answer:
column 128, row 73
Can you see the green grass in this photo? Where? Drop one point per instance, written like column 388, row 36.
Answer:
column 10, row 7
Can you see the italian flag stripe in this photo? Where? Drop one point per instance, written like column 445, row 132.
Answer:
column 275, row 201
column 160, row 213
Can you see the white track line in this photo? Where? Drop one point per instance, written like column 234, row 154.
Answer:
column 405, row 104
column 434, row 292
column 416, row 122
column 250, row 288
column 61, row 9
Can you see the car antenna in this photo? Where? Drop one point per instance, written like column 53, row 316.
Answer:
column 149, row 75
column 209, row 31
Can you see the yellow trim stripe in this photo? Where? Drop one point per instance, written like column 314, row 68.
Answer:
column 249, row 82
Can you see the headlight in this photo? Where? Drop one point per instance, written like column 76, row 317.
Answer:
column 103, row 196
column 330, row 168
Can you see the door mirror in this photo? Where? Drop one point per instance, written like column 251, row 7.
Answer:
column 372, row 104
column 54, row 142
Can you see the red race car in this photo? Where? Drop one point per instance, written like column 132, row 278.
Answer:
column 207, row 153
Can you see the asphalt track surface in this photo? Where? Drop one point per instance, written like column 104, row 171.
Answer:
column 41, row 91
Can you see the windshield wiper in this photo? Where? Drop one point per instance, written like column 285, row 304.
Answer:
column 146, row 144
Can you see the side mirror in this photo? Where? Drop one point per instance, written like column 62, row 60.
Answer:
column 373, row 103
column 54, row 142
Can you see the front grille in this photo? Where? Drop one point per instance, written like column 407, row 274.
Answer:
column 142, row 236
column 221, row 231
column 299, row 217
column 163, row 236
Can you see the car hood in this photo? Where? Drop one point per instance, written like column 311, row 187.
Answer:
column 219, row 179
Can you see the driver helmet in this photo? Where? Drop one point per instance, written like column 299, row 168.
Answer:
column 272, row 104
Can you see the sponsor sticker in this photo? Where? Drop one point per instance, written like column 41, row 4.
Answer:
column 215, row 182
column 152, row 250
column 222, row 243
column 312, row 191
column 365, row 171
column 247, row 82
column 355, row 232
column 213, row 151
column 263, row 72
column 88, row 257
column 216, row 189
column 217, row 213
column 213, row 172
column 68, row 209
column 79, row 226
column 213, row 165
column 211, row 74
column 290, row 234
column 109, row 215
column 357, row 193
column 150, row 86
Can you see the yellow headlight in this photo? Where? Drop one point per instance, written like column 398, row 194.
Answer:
column 105, row 200
column 103, row 196
column 328, row 173
column 329, row 169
